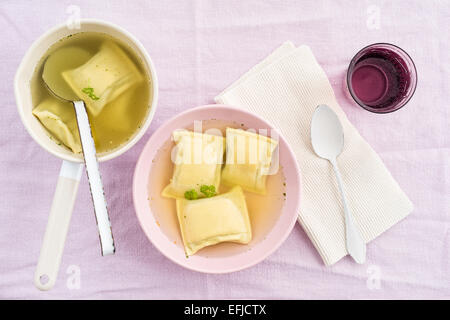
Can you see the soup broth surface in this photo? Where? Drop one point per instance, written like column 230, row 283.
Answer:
column 120, row 119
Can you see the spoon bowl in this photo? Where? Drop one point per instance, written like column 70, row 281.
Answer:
column 327, row 135
column 63, row 59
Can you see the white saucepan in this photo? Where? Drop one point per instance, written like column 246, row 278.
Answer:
column 72, row 165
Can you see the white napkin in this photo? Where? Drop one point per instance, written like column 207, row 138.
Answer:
column 285, row 89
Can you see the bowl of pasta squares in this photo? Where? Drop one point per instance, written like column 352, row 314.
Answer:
column 216, row 189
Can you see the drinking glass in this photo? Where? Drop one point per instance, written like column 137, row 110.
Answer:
column 381, row 78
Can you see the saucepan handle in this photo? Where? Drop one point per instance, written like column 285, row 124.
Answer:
column 57, row 225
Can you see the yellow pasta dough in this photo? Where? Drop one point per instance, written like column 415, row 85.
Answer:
column 198, row 159
column 248, row 160
column 208, row 221
column 58, row 118
column 108, row 74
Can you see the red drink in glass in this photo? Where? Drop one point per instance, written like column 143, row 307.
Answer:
column 381, row 78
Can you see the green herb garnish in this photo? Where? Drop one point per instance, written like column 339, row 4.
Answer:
column 90, row 92
column 208, row 191
column 191, row 194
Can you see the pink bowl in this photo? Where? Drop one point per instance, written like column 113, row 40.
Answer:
column 228, row 261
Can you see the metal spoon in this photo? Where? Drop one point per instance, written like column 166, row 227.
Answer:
column 327, row 138
column 51, row 250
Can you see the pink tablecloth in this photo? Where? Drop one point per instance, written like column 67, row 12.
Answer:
column 200, row 47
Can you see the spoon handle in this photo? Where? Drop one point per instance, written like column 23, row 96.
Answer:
column 95, row 181
column 356, row 246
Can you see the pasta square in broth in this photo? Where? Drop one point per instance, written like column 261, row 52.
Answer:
column 198, row 160
column 248, row 160
column 58, row 118
column 208, row 221
column 108, row 74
